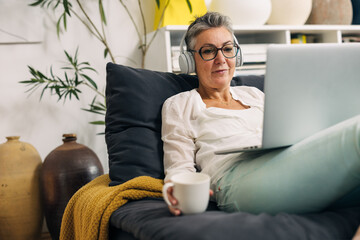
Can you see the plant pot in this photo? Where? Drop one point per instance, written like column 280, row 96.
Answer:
column 331, row 12
column 243, row 12
column 65, row 170
column 290, row 12
column 21, row 214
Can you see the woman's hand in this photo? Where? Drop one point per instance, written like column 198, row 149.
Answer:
column 174, row 202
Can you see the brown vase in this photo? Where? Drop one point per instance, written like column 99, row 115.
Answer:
column 21, row 214
column 65, row 170
column 331, row 12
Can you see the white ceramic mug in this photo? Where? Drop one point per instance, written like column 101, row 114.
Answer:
column 191, row 189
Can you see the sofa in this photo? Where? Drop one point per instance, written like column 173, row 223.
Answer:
column 134, row 98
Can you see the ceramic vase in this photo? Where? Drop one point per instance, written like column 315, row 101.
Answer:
column 21, row 214
column 356, row 11
column 335, row 12
column 65, row 170
column 177, row 12
column 290, row 12
column 243, row 12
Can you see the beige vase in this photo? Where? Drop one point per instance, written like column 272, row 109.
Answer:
column 290, row 12
column 21, row 214
column 243, row 12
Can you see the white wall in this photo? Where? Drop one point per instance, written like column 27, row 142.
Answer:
column 42, row 123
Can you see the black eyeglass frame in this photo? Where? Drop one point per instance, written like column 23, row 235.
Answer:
column 217, row 50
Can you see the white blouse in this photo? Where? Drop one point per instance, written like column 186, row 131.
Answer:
column 192, row 133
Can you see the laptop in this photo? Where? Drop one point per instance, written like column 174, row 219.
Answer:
column 308, row 87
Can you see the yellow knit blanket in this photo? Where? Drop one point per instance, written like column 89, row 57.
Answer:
column 88, row 212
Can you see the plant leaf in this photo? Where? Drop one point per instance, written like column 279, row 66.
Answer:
column 84, row 63
column 42, row 92
column 96, row 108
column 89, row 80
column 58, row 28
column 76, row 55
column 189, row 5
column 41, row 75
column 76, row 80
column 66, row 7
column 67, row 68
column 102, row 12
column 64, row 20
column 57, row 4
column 75, row 93
column 68, row 57
column 36, row 3
column 102, row 105
column 106, row 51
column 89, row 68
column 98, row 122
column 51, row 72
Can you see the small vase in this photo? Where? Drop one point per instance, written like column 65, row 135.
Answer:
column 21, row 214
column 290, row 12
column 331, row 12
column 243, row 12
column 65, row 170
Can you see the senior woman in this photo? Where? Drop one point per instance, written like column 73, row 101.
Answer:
column 306, row 177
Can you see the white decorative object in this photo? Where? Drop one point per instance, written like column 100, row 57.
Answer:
column 290, row 12
column 243, row 12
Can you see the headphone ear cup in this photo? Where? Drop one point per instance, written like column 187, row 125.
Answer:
column 191, row 62
column 183, row 63
column 239, row 58
column 186, row 63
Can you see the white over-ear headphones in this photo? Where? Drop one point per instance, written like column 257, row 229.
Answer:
column 187, row 61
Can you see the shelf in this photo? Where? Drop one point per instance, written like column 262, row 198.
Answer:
column 253, row 41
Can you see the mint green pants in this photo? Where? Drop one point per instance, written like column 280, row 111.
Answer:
column 316, row 173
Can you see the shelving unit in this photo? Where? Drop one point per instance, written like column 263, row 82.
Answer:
column 164, row 51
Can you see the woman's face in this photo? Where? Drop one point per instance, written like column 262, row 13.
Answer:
column 216, row 73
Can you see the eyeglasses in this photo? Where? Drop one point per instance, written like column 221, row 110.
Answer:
column 208, row 53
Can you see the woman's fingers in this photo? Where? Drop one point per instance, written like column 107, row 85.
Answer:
column 175, row 211
column 171, row 197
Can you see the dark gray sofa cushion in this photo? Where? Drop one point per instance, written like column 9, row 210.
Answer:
column 134, row 98
column 151, row 220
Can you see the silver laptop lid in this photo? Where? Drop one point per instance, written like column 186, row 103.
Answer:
column 309, row 87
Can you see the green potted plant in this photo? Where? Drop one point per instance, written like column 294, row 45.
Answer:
column 76, row 74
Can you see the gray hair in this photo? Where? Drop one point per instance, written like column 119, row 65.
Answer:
column 205, row 22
